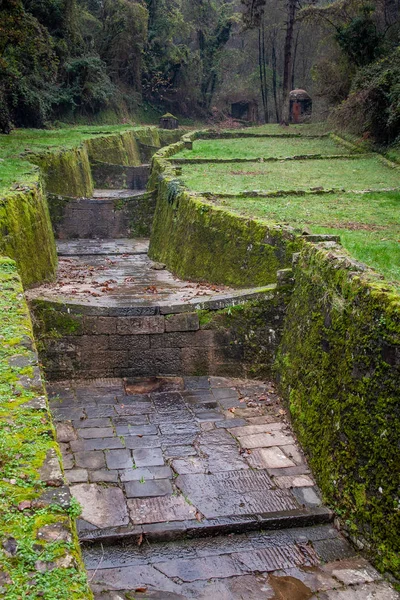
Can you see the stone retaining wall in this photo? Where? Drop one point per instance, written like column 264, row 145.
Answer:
column 210, row 338
column 103, row 218
column 339, row 370
column 109, row 176
column 26, row 234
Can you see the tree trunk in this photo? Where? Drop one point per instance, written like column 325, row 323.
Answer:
column 294, row 59
column 274, row 78
column 288, row 61
column 263, row 70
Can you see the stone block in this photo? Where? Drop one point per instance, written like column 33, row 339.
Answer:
column 104, row 361
column 196, row 361
column 96, row 432
column 77, row 476
column 146, row 489
column 99, row 325
column 158, row 510
column 154, row 362
column 148, row 457
column 90, row 460
column 182, row 322
column 65, row 432
column 129, row 342
column 119, row 459
column 96, row 501
column 146, row 473
column 140, row 325
column 273, row 458
column 93, row 344
column 103, row 476
column 265, row 440
column 180, row 339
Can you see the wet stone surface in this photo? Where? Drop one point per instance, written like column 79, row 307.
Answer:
column 151, row 447
column 112, row 273
column 189, row 489
column 280, row 565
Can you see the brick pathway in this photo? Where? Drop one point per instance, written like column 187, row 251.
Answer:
column 163, row 465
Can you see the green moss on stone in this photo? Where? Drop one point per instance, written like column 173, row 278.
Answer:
column 66, row 172
column 26, row 234
column 339, row 370
column 26, row 438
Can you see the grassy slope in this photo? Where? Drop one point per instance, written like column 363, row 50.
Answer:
column 349, row 174
column 15, row 168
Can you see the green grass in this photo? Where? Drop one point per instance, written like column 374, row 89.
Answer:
column 368, row 224
column 15, row 167
column 275, row 129
column 348, row 174
column 262, row 148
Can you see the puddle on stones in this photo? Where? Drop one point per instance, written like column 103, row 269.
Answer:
column 153, row 384
column 289, row 588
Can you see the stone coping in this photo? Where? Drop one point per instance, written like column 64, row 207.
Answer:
column 124, row 308
column 194, row 161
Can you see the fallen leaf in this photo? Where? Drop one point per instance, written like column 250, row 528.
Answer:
column 140, row 541
column 141, row 590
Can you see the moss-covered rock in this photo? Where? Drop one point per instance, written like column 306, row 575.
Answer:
column 339, row 369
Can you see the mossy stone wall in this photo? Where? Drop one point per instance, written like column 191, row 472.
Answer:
column 26, row 234
column 39, row 548
column 66, row 172
column 339, row 370
column 198, row 240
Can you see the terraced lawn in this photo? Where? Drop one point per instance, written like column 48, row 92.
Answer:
column 262, row 148
column 347, row 174
column 368, row 224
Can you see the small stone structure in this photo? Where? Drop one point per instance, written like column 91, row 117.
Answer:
column 168, row 121
column 300, row 106
column 245, row 111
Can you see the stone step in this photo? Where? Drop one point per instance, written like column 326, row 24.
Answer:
column 105, row 247
column 291, row 564
column 192, row 529
column 119, row 176
column 108, row 214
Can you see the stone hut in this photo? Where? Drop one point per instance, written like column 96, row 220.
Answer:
column 300, row 106
column 168, row 121
column 245, row 111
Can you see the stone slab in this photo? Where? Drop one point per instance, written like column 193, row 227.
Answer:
column 148, row 457
column 159, row 510
column 147, row 489
column 234, row 493
column 119, row 459
column 96, row 502
column 274, row 458
column 265, row 440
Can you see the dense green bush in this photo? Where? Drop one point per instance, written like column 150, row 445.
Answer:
column 373, row 106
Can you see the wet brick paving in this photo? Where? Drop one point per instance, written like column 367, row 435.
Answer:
column 163, row 465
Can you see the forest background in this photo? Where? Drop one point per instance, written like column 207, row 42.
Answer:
column 70, row 61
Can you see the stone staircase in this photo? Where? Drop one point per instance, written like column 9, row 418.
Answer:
column 191, row 486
